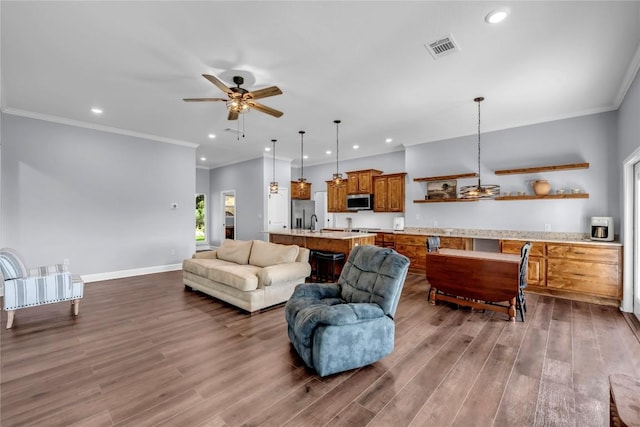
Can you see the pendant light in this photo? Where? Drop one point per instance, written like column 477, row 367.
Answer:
column 273, row 186
column 337, row 177
column 302, row 180
column 479, row 191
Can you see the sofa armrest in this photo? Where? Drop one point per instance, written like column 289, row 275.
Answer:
column 317, row 291
column 206, row 255
column 280, row 273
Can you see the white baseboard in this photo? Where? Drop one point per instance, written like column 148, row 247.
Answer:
column 87, row 278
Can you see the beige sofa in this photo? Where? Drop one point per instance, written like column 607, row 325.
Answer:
column 251, row 274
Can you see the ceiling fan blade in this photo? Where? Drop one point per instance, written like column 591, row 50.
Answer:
column 233, row 115
column 216, row 81
column 265, row 109
column 263, row 93
column 203, row 99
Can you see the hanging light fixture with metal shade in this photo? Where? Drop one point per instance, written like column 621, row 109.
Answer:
column 479, row 191
column 302, row 180
column 337, row 177
column 273, row 186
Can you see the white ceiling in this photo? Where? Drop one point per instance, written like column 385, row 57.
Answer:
column 362, row 62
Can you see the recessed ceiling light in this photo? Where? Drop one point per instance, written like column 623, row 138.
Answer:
column 305, row 157
column 212, row 135
column 328, row 152
column 388, row 140
column 497, row 15
column 203, row 158
column 267, row 148
column 96, row 110
column 355, row 147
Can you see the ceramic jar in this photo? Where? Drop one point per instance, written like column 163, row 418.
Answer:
column 541, row 187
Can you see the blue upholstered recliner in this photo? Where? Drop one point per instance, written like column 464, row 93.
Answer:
column 335, row 327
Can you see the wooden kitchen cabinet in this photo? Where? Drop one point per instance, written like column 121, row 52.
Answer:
column 300, row 191
column 536, row 268
column 414, row 247
column 388, row 192
column 581, row 272
column 360, row 182
column 586, row 269
column 386, row 240
column 336, row 197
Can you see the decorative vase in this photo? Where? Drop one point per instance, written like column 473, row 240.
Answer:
column 541, row 187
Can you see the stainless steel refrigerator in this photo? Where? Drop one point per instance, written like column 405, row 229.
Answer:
column 301, row 211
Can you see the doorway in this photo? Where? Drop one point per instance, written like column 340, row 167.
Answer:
column 201, row 220
column 631, row 221
column 278, row 210
column 229, row 213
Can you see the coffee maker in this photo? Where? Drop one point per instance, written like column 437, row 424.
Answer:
column 602, row 228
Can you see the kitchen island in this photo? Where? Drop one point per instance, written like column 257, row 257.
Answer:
column 324, row 241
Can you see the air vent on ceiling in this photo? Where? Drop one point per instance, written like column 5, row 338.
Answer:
column 443, row 46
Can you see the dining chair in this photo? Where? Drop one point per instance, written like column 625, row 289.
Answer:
column 521, row 302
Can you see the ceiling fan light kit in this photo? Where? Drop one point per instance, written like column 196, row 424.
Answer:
column 239, row 100
column 479, row 191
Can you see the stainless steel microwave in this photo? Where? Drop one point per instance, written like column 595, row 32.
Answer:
column 360, row 202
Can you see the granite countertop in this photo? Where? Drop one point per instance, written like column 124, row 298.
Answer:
column 337, row 235
column 534, row 236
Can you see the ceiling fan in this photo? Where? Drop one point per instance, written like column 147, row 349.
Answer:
column 239, row 99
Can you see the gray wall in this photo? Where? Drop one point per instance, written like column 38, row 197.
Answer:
column 584, row 139
column 628, row 136
column 102, row 200
column 250, row 180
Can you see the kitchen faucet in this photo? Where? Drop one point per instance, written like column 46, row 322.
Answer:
column 312, row 226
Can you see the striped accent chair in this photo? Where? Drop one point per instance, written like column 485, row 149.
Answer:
column 43, row 285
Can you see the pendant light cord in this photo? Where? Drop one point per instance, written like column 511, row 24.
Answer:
column 301, row 132
column 337, row 122
column 479, row 100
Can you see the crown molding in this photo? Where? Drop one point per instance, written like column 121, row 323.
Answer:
column 94, row 126
column 627, row 80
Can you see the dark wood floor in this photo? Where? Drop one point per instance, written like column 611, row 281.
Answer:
column 145, row 352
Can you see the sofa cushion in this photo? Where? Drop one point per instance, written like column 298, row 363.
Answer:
column 201, row 266
column 235, row 251
column 242, row 277
column 264, row 254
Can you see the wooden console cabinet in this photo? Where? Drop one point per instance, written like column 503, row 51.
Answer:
column 583, row 272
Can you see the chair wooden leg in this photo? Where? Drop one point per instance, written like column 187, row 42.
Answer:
column 10, row 315
column 75, row 304
column 520, row 306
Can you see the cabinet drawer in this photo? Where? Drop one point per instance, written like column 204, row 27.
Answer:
column 411, row 239
column 453, row 243
column 583, row 252
column 584, row 277
column 416, row 254
column 389, row 237
column 514, row 246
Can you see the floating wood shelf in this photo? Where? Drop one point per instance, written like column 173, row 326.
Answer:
column 446, row 177
column 553, row 168
column 548, row 196
column 444, row 200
